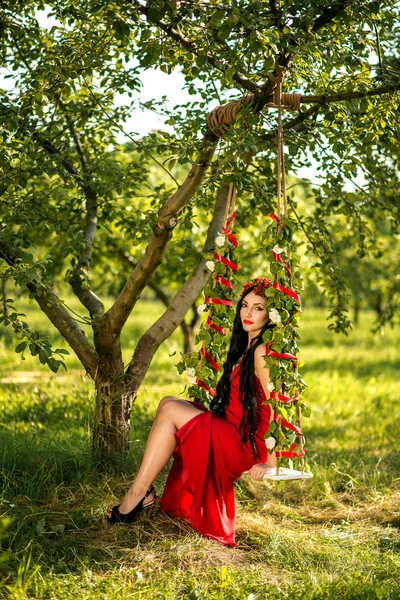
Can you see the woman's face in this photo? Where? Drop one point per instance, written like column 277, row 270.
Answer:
column 253, row 314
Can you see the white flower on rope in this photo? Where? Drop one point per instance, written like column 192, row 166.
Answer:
column 277, row 250
column 270, row 442
column 202, row 308
column 274, row 316
column 210, row 265
column 220, row 240
column 191, row 372
column 270, row 387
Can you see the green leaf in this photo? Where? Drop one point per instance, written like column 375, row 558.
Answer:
column 21, row 347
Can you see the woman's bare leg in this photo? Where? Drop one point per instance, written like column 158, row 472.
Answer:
column 172, row 414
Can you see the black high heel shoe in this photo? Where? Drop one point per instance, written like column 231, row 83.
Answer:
column 115, row 516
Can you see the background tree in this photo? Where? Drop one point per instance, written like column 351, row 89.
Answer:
column 71, row 192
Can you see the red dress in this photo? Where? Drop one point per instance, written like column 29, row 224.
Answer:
column 208, row 458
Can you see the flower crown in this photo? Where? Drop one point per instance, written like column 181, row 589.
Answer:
column 259, row 285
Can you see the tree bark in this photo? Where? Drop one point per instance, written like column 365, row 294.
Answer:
column 112, row 419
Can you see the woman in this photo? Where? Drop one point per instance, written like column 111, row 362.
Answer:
column 212, row 449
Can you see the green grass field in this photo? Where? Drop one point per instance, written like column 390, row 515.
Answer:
column 334, row 536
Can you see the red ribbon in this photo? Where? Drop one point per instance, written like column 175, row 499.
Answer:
column 223, row 281
column 279, row 258
column 274, row 217
column 209, row 359
column 230, row 236
column 286, row 424
column 285, row 290
column 218, row 301
column 215, row 327
column 231, row 219
column 226, row 262
column 280, row 354
column 290, row 453
column 282, row 397
column 205, row 387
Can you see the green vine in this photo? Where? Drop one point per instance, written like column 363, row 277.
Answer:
column 222, row 316
column 284, row 310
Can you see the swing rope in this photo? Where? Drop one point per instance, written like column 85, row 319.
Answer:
column 219, row 122
column 282, row 101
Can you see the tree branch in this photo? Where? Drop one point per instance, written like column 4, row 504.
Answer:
column 50, row 304
column 326, row 99
column 186, row 43
column 114, row 319
column 81, row 270
column 327, row 15
column 176, row 311
column 159, row 292
column 51, row 149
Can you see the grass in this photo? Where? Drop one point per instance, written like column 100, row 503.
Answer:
column 336, row 535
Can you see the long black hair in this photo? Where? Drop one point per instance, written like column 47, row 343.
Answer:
column 247, row 388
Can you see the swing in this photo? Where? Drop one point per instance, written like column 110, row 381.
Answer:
column 219, row 297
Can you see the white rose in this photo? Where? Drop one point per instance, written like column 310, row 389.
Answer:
column 191, row 372
column 270, row 387
column 210, row 265
column 274, row 316
column 277, row 250
column 270, row 443
column 220, row 240
column 202, row 308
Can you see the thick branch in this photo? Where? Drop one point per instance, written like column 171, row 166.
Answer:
column 133, row 262
column 344, row 96
column 116, row 316
column 81, row 270
column 58, row 315
column 327, row 15
column 175, row 313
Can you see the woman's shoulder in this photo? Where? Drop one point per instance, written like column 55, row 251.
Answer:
column 260, row 351
column 259, row 362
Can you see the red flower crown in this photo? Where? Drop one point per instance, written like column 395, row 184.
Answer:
column 260, row 284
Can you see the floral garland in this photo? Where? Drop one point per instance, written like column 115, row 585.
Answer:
column 218, row 302
column 284, row 307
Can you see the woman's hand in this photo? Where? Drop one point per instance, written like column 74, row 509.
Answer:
column 257, row 472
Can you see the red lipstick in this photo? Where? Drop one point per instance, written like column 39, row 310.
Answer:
column 248, row 322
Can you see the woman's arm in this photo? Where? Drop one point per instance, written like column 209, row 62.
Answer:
column 262, row 372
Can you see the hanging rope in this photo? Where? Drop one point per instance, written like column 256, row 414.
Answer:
column 291, row 101
column 221, row 118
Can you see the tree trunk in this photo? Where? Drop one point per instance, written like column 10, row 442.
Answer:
column 112, row 422
column 188, row 338
column 377, row 305
column 356, row 311
column 113, row 397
